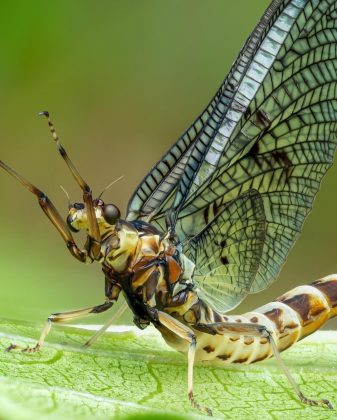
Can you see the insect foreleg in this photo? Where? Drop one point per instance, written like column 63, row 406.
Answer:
column 187, row 334
column 94, row 232
column 258, row 330
column 62, row 317
column 52, row 214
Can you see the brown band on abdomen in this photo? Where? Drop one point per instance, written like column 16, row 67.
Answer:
column 328, row 286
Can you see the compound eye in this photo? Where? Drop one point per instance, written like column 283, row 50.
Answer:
column 79, row 206
column 111, row 213
column 70, row 226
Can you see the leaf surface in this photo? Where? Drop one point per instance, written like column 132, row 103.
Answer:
column 127, row 373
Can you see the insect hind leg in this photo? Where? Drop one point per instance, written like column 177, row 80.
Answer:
column 258, row 330
column 305, row 400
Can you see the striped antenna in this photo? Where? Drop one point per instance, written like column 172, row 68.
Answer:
column 80, row 181
column 87, row 196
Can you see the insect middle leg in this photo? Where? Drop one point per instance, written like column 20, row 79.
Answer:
column 261, row 331
column 109, row 322
column 61, row 317
column 187, row 334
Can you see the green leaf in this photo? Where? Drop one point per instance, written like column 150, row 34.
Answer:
column 136, row 374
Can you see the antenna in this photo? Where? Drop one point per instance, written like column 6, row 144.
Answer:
column 110, row 185
column 68, row 196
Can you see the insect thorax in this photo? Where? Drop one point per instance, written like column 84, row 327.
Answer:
column 150, row 270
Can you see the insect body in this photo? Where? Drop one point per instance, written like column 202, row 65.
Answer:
column 216, row 217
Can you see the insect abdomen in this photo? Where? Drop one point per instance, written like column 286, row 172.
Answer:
column 291, row 317
column 299, row 312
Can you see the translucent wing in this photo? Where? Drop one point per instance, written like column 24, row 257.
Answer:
column 155, row 193
column 277, row 132
column 228, row 252
column 284, row 142
column 162, row 180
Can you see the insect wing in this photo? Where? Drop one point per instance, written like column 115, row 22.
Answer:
column 277, row 131
column 285, row 140
column 155, row 194
column 228, row 251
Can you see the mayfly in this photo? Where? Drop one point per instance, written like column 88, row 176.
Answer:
column 215, row 218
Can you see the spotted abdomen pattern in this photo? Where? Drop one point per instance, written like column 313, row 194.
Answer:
column 289, row 318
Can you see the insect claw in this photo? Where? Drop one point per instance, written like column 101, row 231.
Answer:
column 207, row 411
column 11, row 347
column 323, row 402
column 328, row 404
column 196, row 405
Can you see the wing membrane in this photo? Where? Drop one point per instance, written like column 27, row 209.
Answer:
column 277, row 133
column 228, row 251
column 156, row 192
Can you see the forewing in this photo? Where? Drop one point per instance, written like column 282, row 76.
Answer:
column 285, row 141
column 157, row 191
column 272, row 127
column 228, row 252
column 278, row 137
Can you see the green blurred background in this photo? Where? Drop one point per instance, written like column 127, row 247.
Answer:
column 122, row 80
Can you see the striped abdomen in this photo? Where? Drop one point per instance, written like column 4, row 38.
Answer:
column 290, row 318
